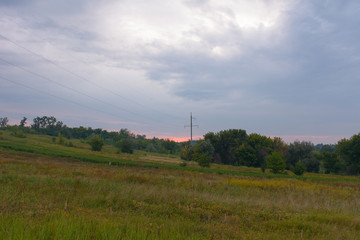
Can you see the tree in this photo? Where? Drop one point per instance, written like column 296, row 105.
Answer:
column 202, row 159
column 225, row 143
column 253, row 151
column 280, row 146
column 311, row 163
column 245, row 155
column 275, row 162
column 349, row 150
column 126, row 146
column 4, row 122
column 203, row 153
column 186, row 152
column 332, row 162
column 299, row 168
column 96, row 143
column 298, row 151
column 23, row 122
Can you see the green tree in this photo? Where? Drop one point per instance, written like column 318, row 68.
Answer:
column 298, row 169
column 203, row 153
column 245, row 155
column 253, row 151
column 275, row 162
column 96, row 143
column 332, row 162
column 186, row 152
column 349, row 150
column 126, row 146
column 299, row 151
column 202, row 159
column 224, row 143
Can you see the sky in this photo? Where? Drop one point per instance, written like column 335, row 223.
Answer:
column 286, row 68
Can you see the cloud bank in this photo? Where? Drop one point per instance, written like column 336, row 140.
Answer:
column 278, row 68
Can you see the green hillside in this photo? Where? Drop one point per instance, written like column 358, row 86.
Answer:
column 54, row 191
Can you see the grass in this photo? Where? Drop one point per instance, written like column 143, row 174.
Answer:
column 48, row 196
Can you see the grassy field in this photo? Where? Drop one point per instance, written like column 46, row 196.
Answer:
column 49, row 191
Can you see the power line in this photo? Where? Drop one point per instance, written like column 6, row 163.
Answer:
column 61, row 98
column 80, row 77
column 84, row 94
column 64, row 86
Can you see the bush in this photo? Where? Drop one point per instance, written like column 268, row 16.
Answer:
column 202, row 159
column 126, row 146
column 299, row 168
column 18, row 133
column 61, row 139
column 311, row 164
column 96, row 143
column 186, row 153
column 275, row 162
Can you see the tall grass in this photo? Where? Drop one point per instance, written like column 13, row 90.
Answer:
column 48, row 198
column 47, row 195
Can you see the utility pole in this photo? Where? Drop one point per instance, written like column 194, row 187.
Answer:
column 191, row 127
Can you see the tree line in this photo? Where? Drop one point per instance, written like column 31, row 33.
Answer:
column 231, row 147
column 123, row 139
column 236, row 147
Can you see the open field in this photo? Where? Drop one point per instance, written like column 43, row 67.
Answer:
column 49, row 191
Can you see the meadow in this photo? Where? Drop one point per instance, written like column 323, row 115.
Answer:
column 51, row 191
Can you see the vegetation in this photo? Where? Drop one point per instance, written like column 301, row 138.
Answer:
column 96, row 143
column 229, row 147
column 50, row 191
column 275, row 162
column 298, row 169
column 126, row 146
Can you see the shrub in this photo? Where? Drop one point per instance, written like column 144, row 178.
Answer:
column 61, row 139
column 299, row 168
column 126, row 146
column 18, row 133
column 186, row 153
column 275, row 162
column 96, row 143
column 202, row 159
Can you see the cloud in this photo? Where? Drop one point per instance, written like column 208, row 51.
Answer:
column 276, row 67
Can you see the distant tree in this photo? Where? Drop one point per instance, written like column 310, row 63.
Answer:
column 4, row 122
column 325, row 148
column 275, row 162
column 331, row 161
column 126, row 146
column 349, row 151
column 280, row 146
column 96, row 143
column 299, row 151
column 23, row 122
column 311, row 163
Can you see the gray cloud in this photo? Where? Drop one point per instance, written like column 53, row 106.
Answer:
column 288, row 67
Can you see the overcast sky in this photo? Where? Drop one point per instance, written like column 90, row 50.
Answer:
column 285, row 68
